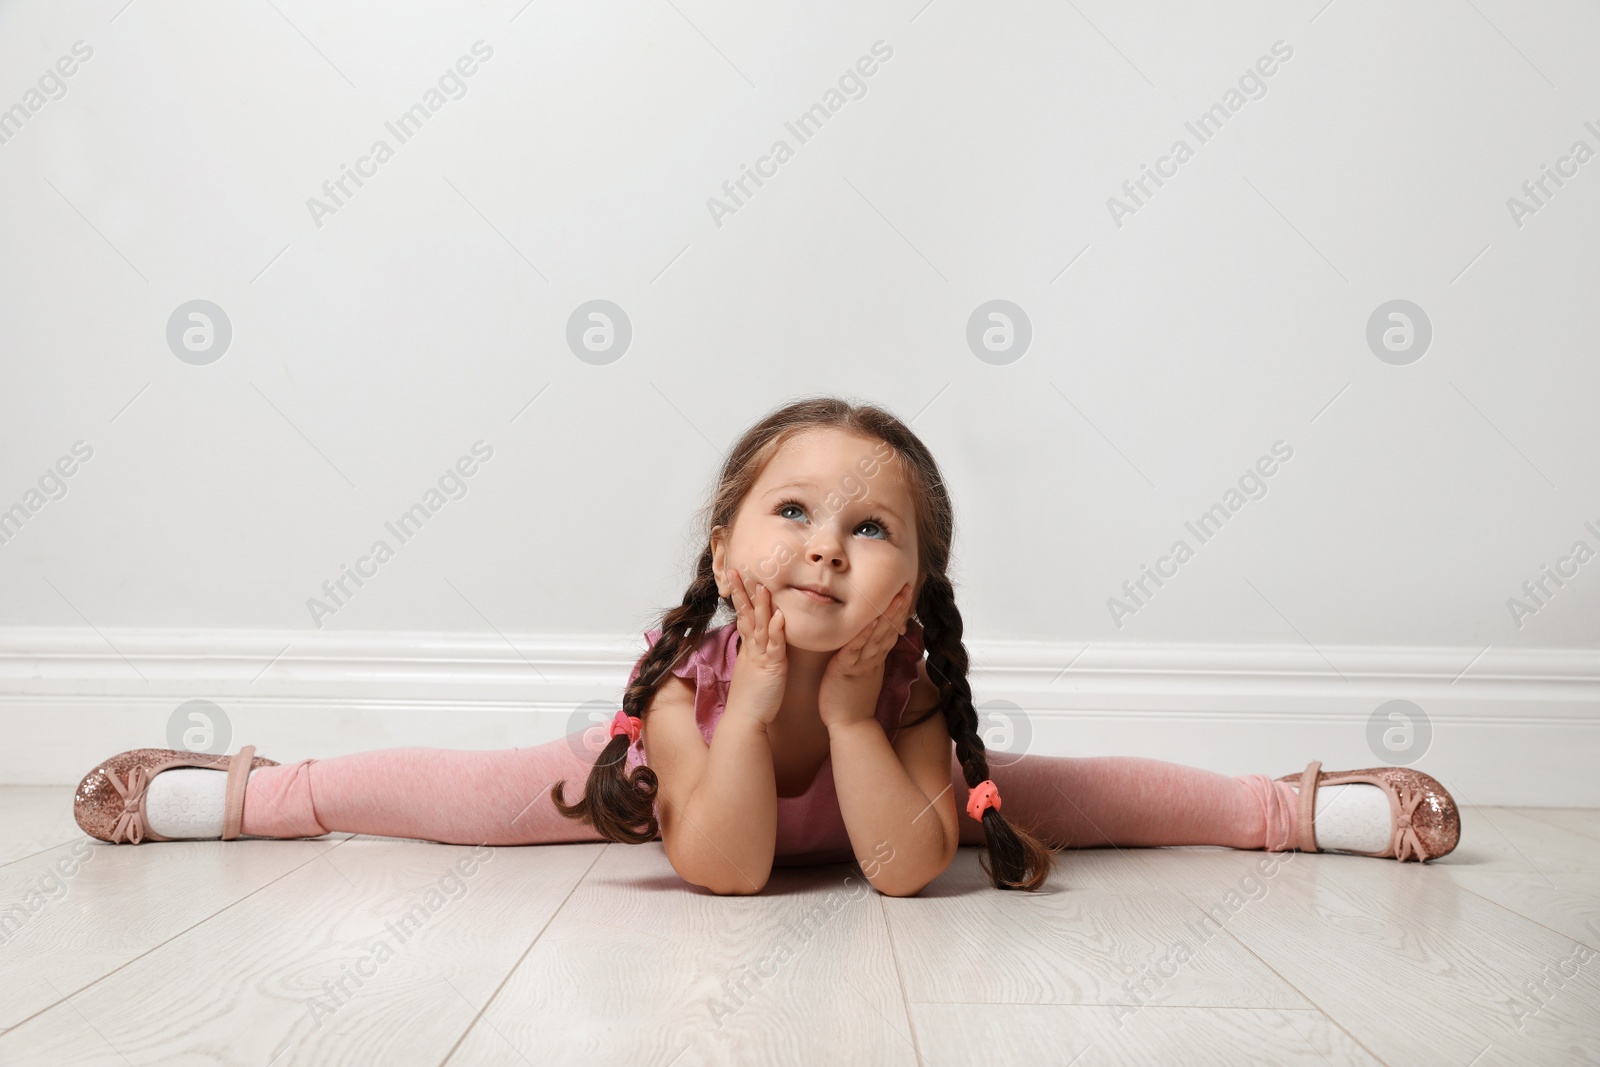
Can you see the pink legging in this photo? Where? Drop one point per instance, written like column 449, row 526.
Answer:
column 501, row 797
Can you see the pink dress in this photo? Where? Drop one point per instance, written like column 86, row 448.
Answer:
column 810, row 826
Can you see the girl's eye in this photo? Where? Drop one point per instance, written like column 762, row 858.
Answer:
column 869, row 521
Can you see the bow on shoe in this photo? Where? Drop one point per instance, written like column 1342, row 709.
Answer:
column 1406, row 842
column 129, row 822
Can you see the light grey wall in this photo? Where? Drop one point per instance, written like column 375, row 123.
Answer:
column 1172, row 346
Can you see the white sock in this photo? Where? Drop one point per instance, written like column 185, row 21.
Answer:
column 1350, row 818
column 187, row 803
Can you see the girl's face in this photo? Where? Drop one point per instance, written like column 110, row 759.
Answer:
column 831, row 511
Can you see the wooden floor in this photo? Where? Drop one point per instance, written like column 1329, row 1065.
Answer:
column 233, row 953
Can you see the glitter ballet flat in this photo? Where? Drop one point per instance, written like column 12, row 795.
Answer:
column 110, row 801
column 1424, row 822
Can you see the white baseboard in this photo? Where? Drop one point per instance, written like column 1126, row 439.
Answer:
column 1508, row 726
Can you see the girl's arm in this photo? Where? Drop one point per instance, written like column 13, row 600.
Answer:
column 896, row 800
column 718, row 803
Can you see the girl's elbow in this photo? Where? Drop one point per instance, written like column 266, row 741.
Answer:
column 736, row 885
column 906, row 887
column 710, row 872
column 909, row 885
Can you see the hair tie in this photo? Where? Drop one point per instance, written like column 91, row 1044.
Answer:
column 983, row 795
column 623, row 723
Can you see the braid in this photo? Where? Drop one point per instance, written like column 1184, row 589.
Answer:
column 1018, row 860
column 618, row 804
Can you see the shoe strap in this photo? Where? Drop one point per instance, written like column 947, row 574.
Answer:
column 238, row 778
column 1308, row 807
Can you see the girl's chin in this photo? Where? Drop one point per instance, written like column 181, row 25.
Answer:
column 810, row 636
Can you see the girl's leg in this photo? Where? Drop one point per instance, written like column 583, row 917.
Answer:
column 456, row 797
column 1131, row 802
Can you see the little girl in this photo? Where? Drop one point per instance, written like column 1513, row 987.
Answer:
column 810, row 729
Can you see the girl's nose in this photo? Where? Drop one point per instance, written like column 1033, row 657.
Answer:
column 824, row 546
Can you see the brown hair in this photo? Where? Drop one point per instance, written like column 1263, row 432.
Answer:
column 620, row 805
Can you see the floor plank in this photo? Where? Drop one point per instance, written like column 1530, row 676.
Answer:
column 1585, row 821
column 77, row 912
column 268, row 952
column 639, row 968
column 1415, row 968
column 377, row 952
column 1565, row 902
column 1086, row 1036
column 35, row 818
column 1110, row 927
column 1504, row 839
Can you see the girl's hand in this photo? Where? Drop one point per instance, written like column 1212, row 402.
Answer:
column 761, row 669
column 854, row 676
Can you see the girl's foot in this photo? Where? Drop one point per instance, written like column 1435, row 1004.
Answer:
column 161, row 794
column 1386, row 812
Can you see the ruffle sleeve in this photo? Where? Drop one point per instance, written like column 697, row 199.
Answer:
column 899, row 674
column 693, row 667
